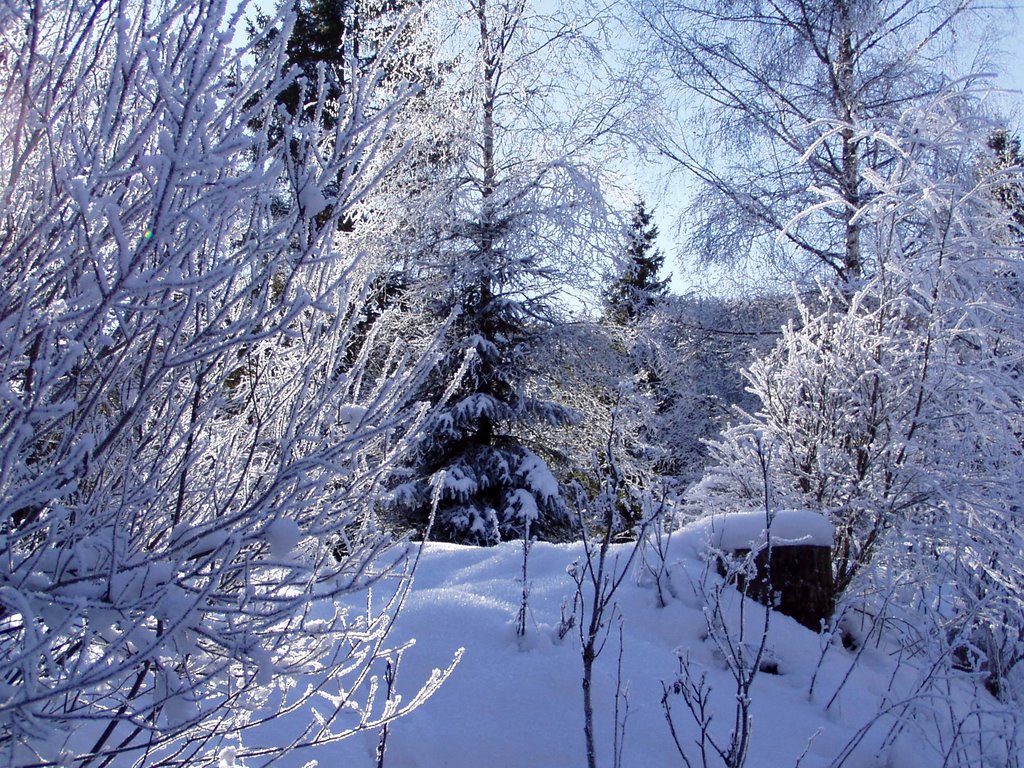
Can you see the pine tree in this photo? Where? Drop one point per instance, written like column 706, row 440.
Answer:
column 637, row 288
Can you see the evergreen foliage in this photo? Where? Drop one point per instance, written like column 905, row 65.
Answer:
column 1008, row 159
column 347, row 55
column 487, row 484
column 637, row 289
column 477, row 478
column 475, row 472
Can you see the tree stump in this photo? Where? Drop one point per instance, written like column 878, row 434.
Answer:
column 801, row 582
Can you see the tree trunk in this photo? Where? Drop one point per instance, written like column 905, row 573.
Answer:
column 846, row 101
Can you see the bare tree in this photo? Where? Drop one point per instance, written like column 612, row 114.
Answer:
column 601, row 572
column 188, row 452
column 783, row 100
column 745, row 657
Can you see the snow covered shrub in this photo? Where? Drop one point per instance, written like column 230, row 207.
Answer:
column 897, row 408
column 188, row 457
column 829, row 393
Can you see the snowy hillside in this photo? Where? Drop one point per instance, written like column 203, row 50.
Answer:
column 512, row 704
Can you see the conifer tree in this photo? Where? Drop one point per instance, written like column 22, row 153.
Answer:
column 489, row 484
column 637, row 288
column 480, row 475
column 351, row 55
column 1008, row 159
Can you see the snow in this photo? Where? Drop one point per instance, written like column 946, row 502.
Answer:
column 746, row 530
column 524, row 506
column 539, row 478
column 351, row 415
column 312, row 199
column 517, row 703
column 227, row 758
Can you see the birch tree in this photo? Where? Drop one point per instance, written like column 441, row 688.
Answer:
column 782, row 100
column 897, row 409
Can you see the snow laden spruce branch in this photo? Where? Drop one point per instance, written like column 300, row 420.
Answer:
column 188, row 446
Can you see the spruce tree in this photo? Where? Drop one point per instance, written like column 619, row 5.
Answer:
column 487, row 482
column 637, row 288
column 478, row 477
column 344, row 41
column 1007, row 150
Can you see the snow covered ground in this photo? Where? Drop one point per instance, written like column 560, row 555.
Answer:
column 518, row 704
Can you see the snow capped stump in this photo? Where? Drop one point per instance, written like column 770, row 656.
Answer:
column 801, row 582
column 801, row 561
